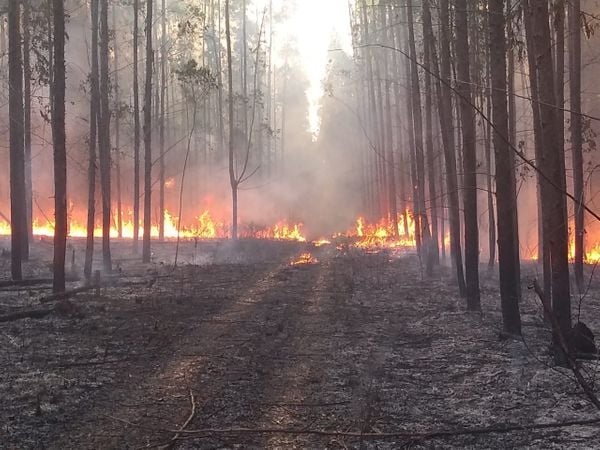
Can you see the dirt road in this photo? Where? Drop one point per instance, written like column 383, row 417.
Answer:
column 350, row 344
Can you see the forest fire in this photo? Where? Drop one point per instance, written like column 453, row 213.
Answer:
column 381, row 234
column 304, row 258
column 591, row 254
column 205, row 226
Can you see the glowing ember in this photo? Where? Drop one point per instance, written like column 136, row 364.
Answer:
column 170, row 183
column 321, row 242
column 304, row 258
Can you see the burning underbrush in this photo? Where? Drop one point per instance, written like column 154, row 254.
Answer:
column 205, row 226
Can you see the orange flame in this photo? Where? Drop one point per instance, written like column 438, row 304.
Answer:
column 304, row 258
column 381, row 234
column 204, row 227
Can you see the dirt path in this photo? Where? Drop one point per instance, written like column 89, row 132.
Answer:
column 355, row 342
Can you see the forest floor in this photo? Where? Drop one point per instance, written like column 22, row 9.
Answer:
column 240, row 348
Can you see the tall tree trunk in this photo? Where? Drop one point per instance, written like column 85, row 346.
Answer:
column 244, row 69
column 148, row 136
column 161, row 138
column 60, row 151
column 18, row 215
column 391, row 158
column 576, row 134
column 104, row 138
column 431, row 172
column 372, row 112
column 136, row 129
column 117, row 113
column 94, row 100
column 543, row 233
column 420, row 213
column 552, row 166
column 512, row 127
column 506, row 195
column 232, row 177
column 467, row 114
column 400, row 142
column 445, row 112
column 27, row 118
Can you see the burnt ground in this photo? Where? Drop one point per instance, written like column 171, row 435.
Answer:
column 354, row 343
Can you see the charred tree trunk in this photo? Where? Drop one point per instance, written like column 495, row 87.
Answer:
column 512, row 126
column 60, row 151
column 136, row 130
column 445, row 111
column 543, row 233
column 552, row 166
column 431, row 172
column 467, row 114
column 27, row 118
column 104, row 138
column 420, row 214
column 94, row 99
column 148, row 136
column 506, row 197
column 18, row 214
column 576, row 134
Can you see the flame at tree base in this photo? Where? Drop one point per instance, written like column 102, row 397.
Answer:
column 203, row 227
column 383, row 235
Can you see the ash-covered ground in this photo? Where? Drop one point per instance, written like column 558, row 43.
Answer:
column 238, row 347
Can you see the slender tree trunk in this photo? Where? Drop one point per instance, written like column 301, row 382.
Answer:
column 467, row 114
column 543, row 232
column 421, row 213
column 391, row 158
column 18, row 214
column 117, row 113
column 244, row 69
column 232, row 177
column 490, row 184
column 576, row 134
column 163, row 85
column 104, row 136
column 136, row 130
column 431, row 172
column 552, row 165
column 94, row 100
column 400, row 141
column 512, row 127
column 148, row 136
column 506, row 198
column 27, row 119
column 60, row 151
column 445, row 112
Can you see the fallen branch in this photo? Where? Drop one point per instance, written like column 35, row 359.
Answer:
column 27, row 282
column 28, row 314
column 185, row 424
column 189, row 434
column 67, row 294
column 571, row 360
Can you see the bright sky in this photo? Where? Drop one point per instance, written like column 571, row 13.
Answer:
column 312, row 24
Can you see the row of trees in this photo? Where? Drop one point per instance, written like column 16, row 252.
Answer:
column 201, row 93
column 459, row 58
